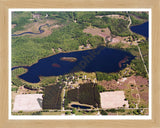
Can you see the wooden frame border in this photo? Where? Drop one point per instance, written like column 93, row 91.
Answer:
column 4, row 8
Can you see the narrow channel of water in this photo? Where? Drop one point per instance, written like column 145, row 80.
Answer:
column 40, row 31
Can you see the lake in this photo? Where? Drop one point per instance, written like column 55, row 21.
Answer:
column 142, row 29
column 101, row 59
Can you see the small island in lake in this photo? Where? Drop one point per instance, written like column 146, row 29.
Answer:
column 70, row 59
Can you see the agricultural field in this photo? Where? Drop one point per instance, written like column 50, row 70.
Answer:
column 86, row 94
column 52, row 97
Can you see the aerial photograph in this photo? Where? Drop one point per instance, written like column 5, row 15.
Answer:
column 72, row 63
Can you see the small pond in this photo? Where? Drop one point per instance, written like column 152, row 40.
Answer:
column 80, row 106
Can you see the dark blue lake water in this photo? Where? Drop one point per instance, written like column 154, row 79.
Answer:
column 80, row 106
column 101, row 59
column 142, row 29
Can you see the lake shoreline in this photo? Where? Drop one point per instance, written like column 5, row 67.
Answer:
column 67, row 52
column 141, row 29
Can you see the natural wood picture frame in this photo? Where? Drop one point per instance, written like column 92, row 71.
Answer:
column 4, row 8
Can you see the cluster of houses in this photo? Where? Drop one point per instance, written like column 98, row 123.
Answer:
column 73, row 81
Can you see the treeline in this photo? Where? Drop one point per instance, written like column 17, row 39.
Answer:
column 142, row 15
column 106, row 76
column 111, row 13
column 118, row 27
column 136, row 21
column 15, row 80
column 20, row 19
column 25, row 51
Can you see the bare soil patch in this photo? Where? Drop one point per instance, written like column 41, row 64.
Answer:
column 28, row 102
column 118, row 39
column 105, row 32
column 113, row 99
column 13, row 25
column 113, row 16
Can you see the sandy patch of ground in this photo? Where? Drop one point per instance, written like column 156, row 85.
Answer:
column 28, row 102
column 113, row 16
column 113, row 99
column 124, row 40
column 98, row 31
column 118, row 39
column 13, row 25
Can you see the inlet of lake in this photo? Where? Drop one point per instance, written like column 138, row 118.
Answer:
column 142, row 29
column 101, row 59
